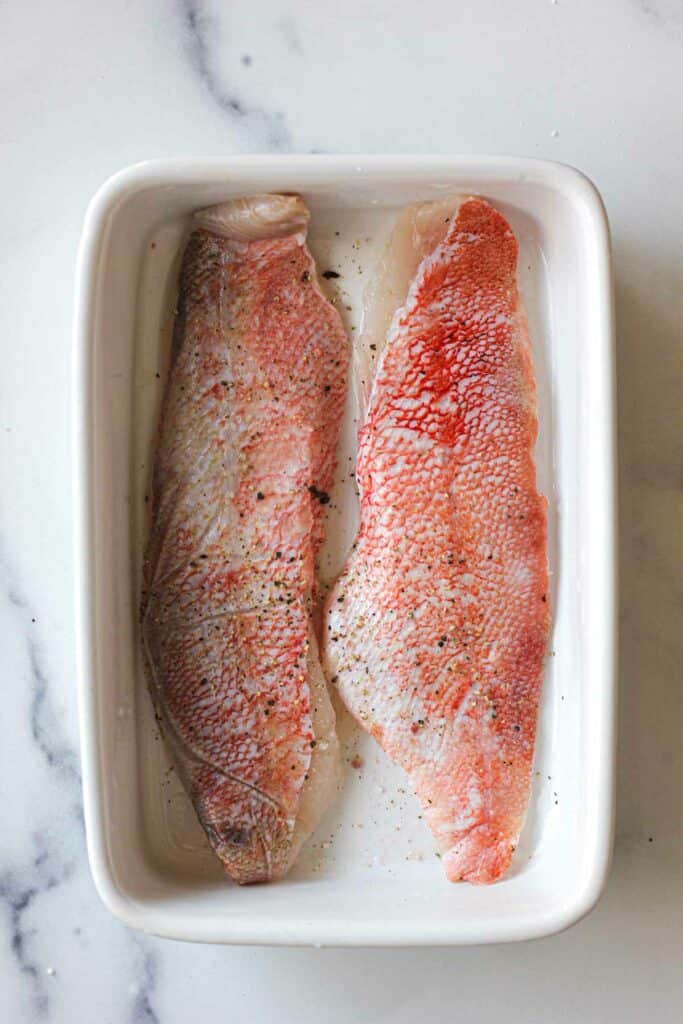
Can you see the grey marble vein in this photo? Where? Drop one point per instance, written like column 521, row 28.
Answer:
column 267, row 126
column 45, row 729
column 28, row 879
column 142, row 1011
column 23, row 883
column 18, row 895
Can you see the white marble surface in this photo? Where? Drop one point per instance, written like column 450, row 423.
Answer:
column 89, row 87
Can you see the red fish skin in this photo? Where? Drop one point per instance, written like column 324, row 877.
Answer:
column 247, row 440
column 437, row 630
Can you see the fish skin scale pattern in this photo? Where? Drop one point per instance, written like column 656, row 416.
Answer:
column 248, row 434
column 437, row 629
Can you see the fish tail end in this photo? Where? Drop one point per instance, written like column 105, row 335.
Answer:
column 481, row 857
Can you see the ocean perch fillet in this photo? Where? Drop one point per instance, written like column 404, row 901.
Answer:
column 436, row 632
column 245, row 458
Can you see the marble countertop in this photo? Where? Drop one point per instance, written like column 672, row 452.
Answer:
column 88, row 88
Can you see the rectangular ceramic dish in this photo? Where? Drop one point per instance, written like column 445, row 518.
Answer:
column 369, row 875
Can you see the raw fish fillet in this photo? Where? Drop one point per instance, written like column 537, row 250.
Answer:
column 245, row 459
column 436, row 632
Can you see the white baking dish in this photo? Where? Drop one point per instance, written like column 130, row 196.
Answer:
column 369, row 875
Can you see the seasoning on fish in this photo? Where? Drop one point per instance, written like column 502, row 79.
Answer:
column 246, row 452
column 438, row 627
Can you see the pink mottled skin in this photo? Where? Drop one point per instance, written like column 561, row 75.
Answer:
column 437, row 629
column 246, row 449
